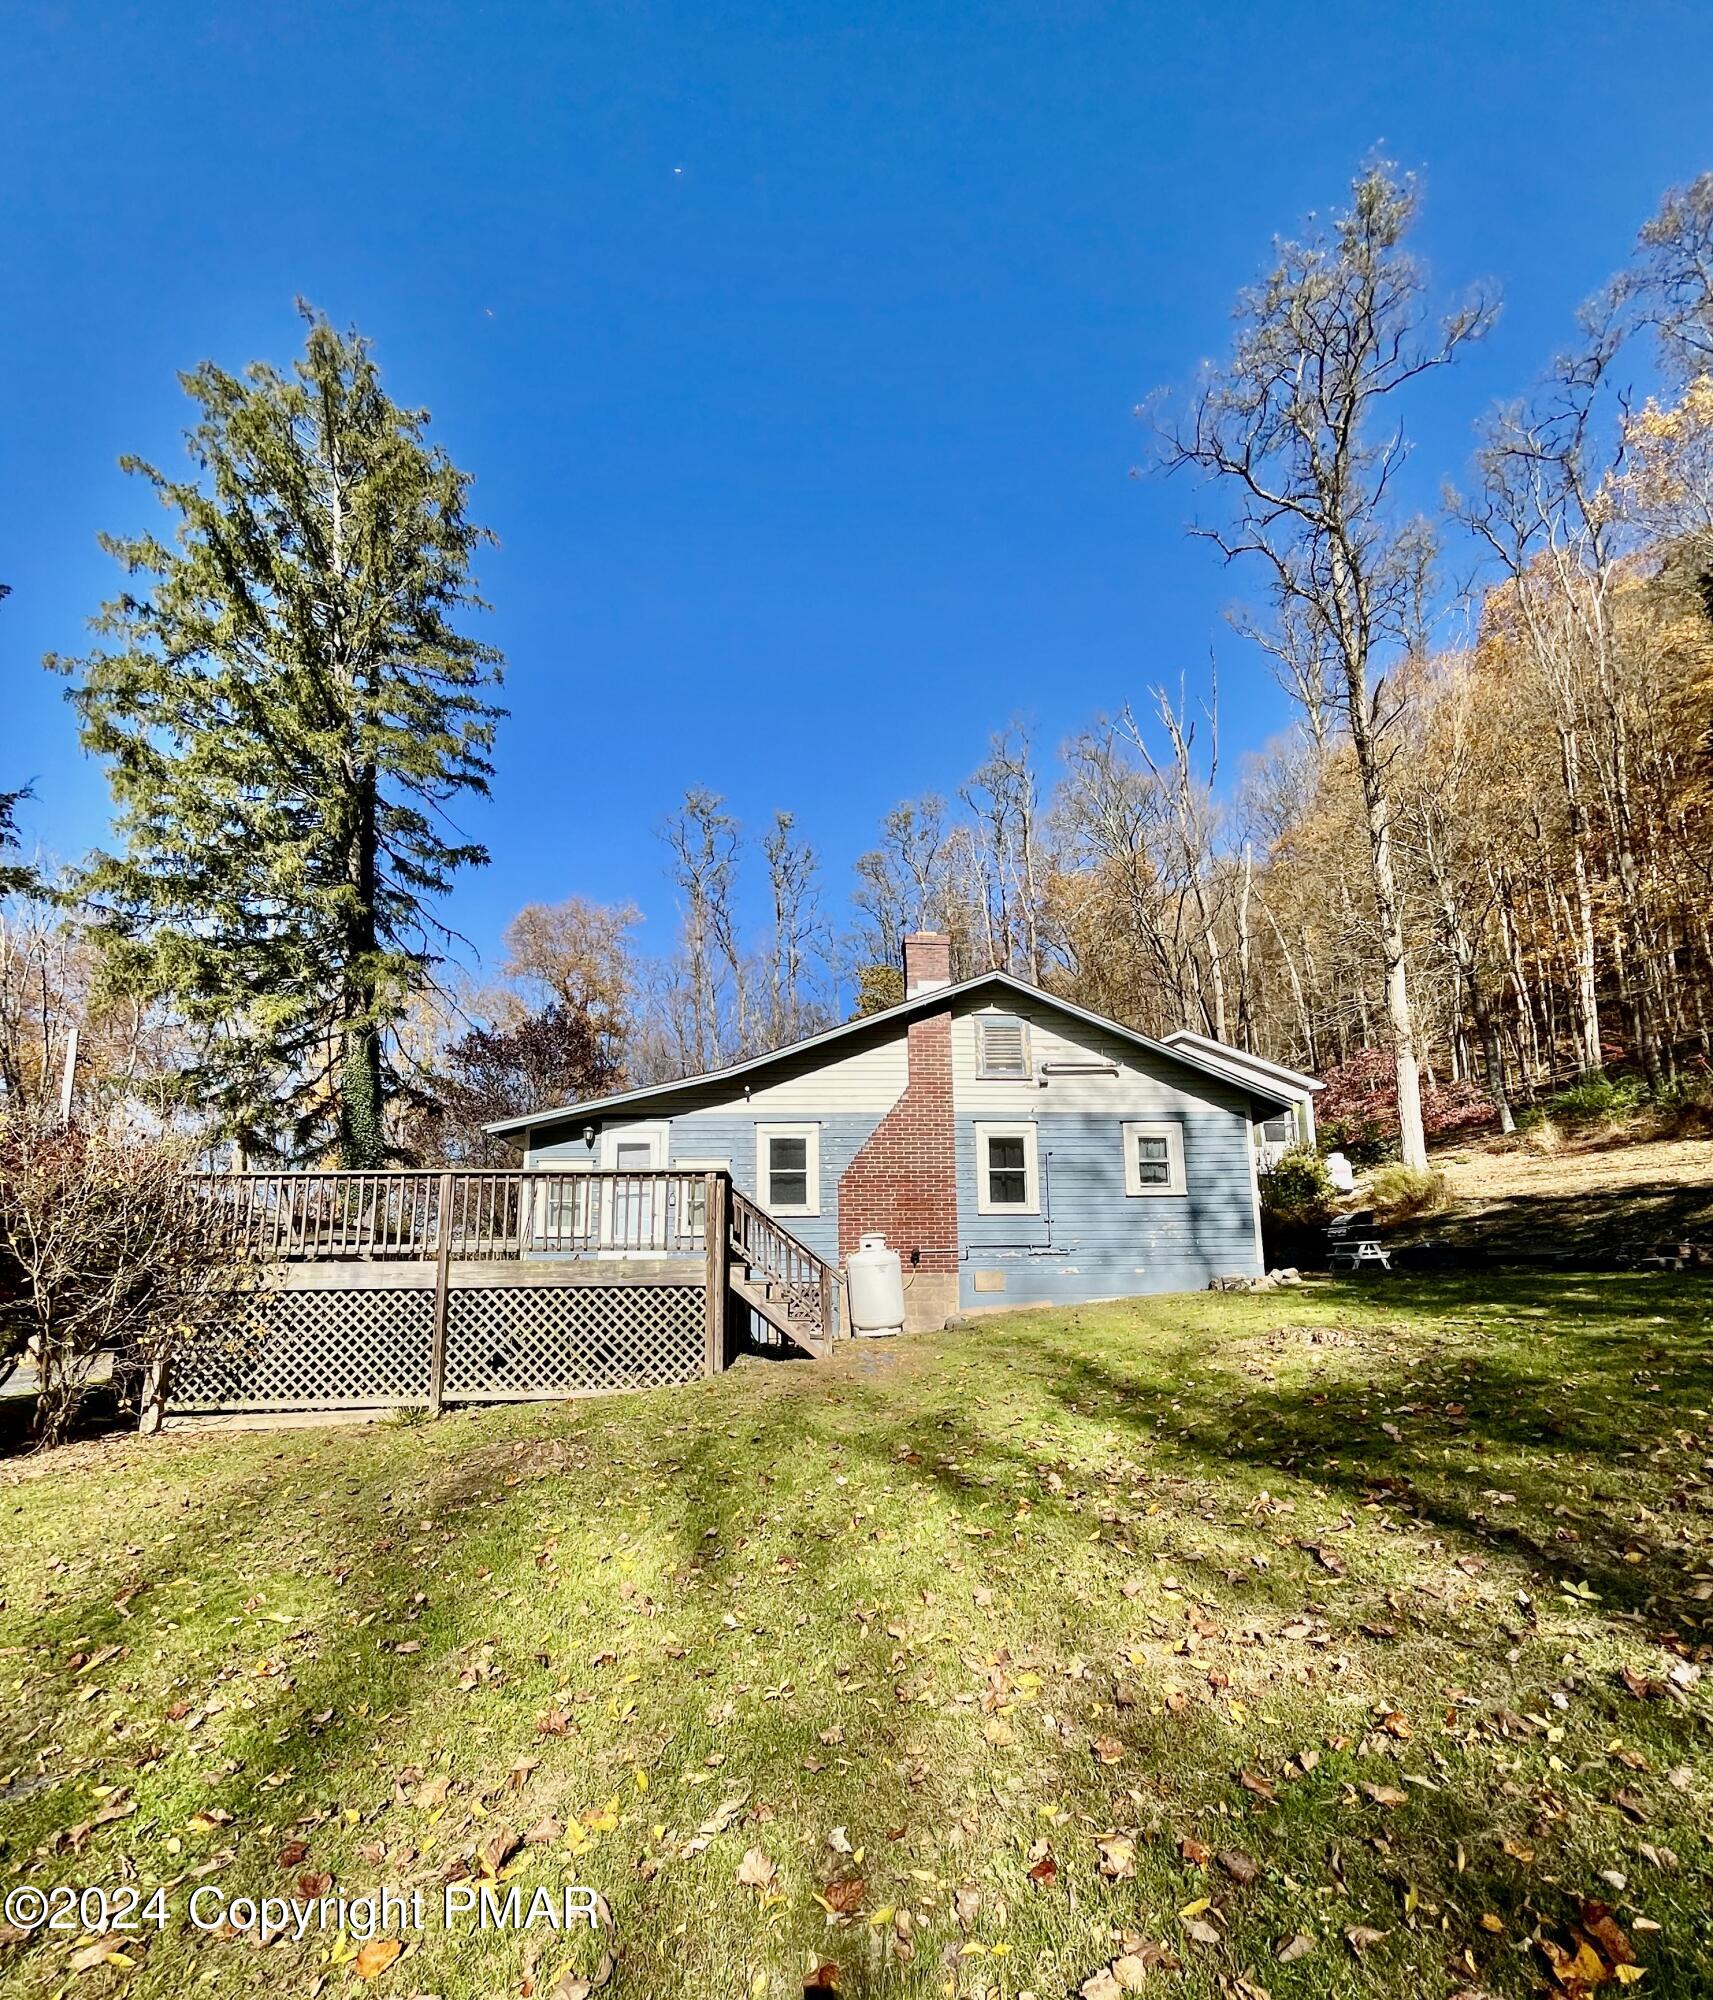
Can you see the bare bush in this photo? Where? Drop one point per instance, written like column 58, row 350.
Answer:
column 102, row 1255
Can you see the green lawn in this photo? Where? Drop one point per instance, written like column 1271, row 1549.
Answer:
column 1333, row 1641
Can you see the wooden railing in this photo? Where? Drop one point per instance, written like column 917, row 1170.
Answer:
column 804, row 1283
column 297, row 1218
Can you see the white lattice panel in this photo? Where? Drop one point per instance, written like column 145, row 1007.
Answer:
column 312, row 1350
column 519, row 1340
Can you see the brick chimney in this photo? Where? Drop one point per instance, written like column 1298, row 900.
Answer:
column 927, row 962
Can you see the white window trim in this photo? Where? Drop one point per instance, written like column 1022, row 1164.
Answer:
column 1022, row 1075
column 1172, row 1132
column 656, row 1133
column 984, row 1204
column 764, row 1179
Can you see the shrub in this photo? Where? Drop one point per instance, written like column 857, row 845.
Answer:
column 1364, row 1141
column 1397, row 1193
column 1297, row 1189
column 103, row 1256
column 1595, row 1097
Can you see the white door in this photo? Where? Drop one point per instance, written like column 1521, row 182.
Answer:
column 636, row 1208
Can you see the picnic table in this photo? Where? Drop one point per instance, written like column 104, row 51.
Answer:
column 1354, row 1245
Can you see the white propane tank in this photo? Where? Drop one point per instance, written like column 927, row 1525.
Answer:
column 876, row 1285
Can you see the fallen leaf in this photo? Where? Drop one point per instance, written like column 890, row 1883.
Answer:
column 1117, row 1856
column 1107, row 1750
column 1293, row 1948
column 374, row 1957
column 1362, row 1937
column 845, row 1896
column 1239, row 1866
column 756, row 1871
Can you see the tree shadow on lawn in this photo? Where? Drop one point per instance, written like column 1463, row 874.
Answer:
column 1597, row 1220
column 944, row 1444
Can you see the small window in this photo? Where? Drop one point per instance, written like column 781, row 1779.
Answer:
column 1006, row 1174
column 788, row 1168
column 1154, row 1159
column 1002, row 1046
column 1279, row 1131
column 563, row 1214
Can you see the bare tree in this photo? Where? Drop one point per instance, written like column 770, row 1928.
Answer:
column 903, row 884
column 702, row 839
column 1300, row 428
column 1004, row 803
column 798, row 938
column 1670, row 284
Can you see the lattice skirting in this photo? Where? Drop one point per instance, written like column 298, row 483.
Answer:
column 518, row 1341
column 312, row 1350
column 329, row 1349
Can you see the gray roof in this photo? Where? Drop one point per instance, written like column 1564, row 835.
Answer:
column 1244, row 1059
column 923, row 1003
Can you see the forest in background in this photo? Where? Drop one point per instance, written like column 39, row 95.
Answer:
column 1476, row 869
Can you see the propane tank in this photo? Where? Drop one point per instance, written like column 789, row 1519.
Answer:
column 875, row 1280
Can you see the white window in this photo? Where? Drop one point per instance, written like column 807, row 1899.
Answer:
column 1154, row 1159
column 788, row 1168
column 1002, row 1046
column 562, row 1208
column 1279, row 1131
column 1007, row 1180
column 694, row 1192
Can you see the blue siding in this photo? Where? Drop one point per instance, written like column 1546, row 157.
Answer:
column 1094, row 1241
column 730, row 1135
column 719, row 1135
column 1090, row 1241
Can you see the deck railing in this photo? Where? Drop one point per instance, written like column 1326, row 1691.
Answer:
column 484, row 1216
column 804, row 1281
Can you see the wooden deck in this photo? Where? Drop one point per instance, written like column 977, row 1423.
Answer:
column 359, row 1290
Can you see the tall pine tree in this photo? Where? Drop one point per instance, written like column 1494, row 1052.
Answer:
column 288, row 709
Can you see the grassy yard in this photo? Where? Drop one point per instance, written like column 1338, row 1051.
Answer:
column 1329, row 1642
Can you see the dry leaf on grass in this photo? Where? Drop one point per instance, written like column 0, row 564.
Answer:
column 1117, row 1856
column 756, row 1871
column 374, row 1957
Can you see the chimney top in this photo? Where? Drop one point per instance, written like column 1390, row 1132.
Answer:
column 927, row 962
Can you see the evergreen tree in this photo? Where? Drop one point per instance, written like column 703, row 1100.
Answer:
column 12, row 877
column 288, row 708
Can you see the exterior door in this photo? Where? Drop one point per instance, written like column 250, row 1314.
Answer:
column 636, row 1219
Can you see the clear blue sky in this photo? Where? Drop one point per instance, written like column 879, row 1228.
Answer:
column 794, row 349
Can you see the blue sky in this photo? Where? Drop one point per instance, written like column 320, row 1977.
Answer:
column 795, row 350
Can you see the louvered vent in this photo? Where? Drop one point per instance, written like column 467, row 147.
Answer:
column 1004, row 1047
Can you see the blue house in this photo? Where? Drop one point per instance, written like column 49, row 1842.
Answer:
column 1013, row 1149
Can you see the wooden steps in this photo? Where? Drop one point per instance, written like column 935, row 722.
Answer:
column 776, row 1305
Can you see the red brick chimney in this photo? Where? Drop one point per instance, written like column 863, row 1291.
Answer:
column 927, row 962
column 903, row 1181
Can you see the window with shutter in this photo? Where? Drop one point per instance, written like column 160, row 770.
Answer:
column 1003, row 1046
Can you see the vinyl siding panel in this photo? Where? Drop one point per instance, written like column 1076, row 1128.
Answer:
column 1091, row 1239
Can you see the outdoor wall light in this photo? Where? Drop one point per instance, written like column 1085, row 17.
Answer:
column 588, row 1135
